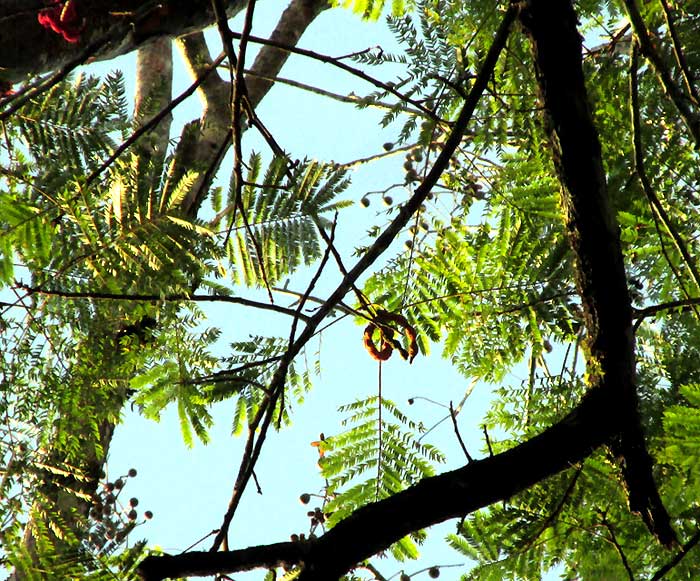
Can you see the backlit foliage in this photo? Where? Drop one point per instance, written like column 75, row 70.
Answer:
column 108, row 272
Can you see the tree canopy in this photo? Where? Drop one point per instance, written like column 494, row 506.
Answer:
column 545, row 218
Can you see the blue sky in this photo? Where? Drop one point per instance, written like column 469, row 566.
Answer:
column 188, row 489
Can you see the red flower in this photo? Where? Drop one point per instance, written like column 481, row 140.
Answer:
column 6, row 89
column 63, row 19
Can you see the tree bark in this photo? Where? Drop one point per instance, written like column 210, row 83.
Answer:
column 30, row 49
column 374, row 527
column 153, row 93
column 608, row 414
column 594, row 237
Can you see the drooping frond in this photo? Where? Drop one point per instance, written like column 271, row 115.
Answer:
column 278, row 232
column 252, row 366
column 75, row 123
column 373, row 460
column 171, row 378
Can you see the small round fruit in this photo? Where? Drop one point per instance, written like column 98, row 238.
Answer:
column 433, row 572
column 132, row 514
column 388, row 146
column 134, row 501
column 132, row 472
column 148, row 515
column 412, row 177
column 388, row 200
column 364, row 202
column 305, row 498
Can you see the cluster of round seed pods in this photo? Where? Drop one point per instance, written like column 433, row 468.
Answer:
column 411, row 175
column 316, row 516
column 111, row 521
column 387, row 200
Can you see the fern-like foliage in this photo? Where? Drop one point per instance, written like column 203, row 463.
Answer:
column 168, row 378
column 127, row 223
column 487, row 291
column 375, row 458
column 278, row 231
column 76, row 120
column 429, row 62
column 252, row 365
column 144, row 227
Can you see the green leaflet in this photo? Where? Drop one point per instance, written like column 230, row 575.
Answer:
column 277, row 233
column 372, row 460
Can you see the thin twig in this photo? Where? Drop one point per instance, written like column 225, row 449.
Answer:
column 342, row 307
column 680, row 305
column 680, row 57
column 257, row 484
column 372, row 569
column 302, row 302
column 350, row 98
column 204, row 538
column 453, row 415
column 159, row 298
column 488, row 440
column 685, row 549
column 362, row 299
column 654, row 201
column 336, row 62
column 618, row 547
column 229, row 374
column 238, row 93
column 557, row 510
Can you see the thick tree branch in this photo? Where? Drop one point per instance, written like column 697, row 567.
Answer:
column 215, row 125
column 680, row 99
column 270, row 60
column 30, row 49
column 154, row 79
column 318, row 567
column 593, row 233
column 678, row 557
column 376, row 526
